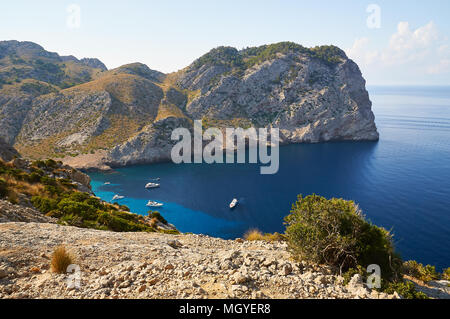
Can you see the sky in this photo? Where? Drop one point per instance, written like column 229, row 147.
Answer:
column 394, row 42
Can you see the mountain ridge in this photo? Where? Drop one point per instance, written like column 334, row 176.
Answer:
column 62, row 107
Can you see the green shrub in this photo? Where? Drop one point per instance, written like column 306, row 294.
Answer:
column 334, row 232
column 53, row 190
column 446, row 274
column 79, row 197
column 158, row 216
column 94, row 202
column 124, row 208
column 39, row 163
column 51, row 163
column 67, row 183
column 34, row 178
column 119, row 224
column 48, row 181
column 405, row 289
column 44, row 205
column 70, row 207
column 425, row 273
column 348, row 275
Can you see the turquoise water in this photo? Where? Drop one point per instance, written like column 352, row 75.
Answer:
column 401, row 182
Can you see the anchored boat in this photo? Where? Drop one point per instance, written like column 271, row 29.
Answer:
column 234, row 203
column 154, row 204
column 152, row 185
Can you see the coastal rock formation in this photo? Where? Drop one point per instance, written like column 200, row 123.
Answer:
column 154, row 265
column 60, row 107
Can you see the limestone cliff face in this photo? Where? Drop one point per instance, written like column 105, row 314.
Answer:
column 127, row 114
column 308, row 99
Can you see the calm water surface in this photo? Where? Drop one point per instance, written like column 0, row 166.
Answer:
column 401, row 182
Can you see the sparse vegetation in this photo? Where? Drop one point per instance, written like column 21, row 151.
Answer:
column 405, row 289
column 446, row 274
column 37, row 88
column 247, row 58
column 157, row 216
column 61, row 259
column 416, row 270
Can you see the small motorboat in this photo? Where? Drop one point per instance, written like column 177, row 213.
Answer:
column 107, row 183
column 234, row 203
column 117, row 197
column 152, row 185
column 154, row 204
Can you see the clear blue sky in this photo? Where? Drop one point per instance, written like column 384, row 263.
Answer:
column 410, row 47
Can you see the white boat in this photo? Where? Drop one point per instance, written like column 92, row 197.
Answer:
column 154, row 204
column 117, row 197
column 152, row 185
column 107, row 183
column 234, row 203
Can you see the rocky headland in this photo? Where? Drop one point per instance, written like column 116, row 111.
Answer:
column 91, row 117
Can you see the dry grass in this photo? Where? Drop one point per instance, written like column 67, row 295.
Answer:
column 61, row 259
column 171, row 80
column 253, row 235
column 192, row 95
column 121, row 128
column 169, row 110
column 24, row 187
column 257, row 235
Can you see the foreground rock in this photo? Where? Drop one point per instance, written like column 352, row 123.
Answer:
column 17, row 213
column 153, row 265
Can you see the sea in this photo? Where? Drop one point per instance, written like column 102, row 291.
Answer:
column 401, row 182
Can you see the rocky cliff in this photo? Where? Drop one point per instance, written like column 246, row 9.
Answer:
column 52, row 106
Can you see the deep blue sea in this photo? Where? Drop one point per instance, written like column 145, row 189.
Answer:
column 401, row 182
